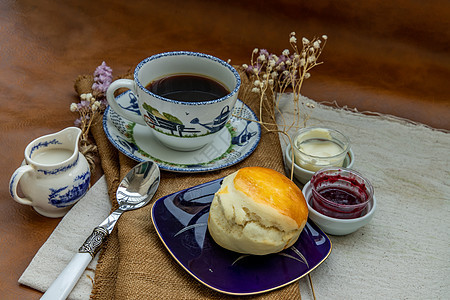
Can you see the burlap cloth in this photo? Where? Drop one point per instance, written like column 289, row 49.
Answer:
column 134, row 263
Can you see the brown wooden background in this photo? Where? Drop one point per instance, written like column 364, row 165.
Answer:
column 386, row 56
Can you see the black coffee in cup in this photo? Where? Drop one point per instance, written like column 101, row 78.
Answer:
column 188, row 88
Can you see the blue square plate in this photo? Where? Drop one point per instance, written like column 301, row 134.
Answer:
column 181, row 222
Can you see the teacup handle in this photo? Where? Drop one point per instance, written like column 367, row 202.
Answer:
column 14, row 181
column 128, row 84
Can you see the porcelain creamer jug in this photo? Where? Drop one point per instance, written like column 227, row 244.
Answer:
column 54, row 174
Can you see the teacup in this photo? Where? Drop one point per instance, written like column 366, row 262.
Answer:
column 164, row 85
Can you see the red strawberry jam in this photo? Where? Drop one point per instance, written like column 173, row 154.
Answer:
column 340, row 196
column 340, row 193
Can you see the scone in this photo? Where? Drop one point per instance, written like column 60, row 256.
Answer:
column 257, row 211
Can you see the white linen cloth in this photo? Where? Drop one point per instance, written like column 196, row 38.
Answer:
column 65, row 240
column 403, row 253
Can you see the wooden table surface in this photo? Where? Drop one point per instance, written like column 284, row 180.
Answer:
column 390, row 57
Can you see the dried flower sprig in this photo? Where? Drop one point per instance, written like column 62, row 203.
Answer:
column 93, row 103
column 274, row 75
column 87, row 108
column 90, row 106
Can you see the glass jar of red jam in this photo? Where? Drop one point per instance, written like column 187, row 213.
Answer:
column 340, row 193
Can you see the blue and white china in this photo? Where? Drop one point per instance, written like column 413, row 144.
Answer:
column 179, row 125
column 232, row 145
column 54, row 175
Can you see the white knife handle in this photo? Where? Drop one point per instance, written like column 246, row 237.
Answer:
column 65, row 282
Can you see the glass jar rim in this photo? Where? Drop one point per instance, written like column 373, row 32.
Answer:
column 367, row 184
column 345, row 141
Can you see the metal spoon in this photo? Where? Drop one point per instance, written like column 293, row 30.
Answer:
column 136, row 190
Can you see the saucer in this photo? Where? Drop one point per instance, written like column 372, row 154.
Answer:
column 181, row 221
column 233, row 144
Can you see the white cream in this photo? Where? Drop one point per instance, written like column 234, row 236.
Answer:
column 316, row 150
column 322, row 148
column 52, row 156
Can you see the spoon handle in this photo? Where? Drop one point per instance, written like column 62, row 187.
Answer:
column 65, row 282
column 63, row 285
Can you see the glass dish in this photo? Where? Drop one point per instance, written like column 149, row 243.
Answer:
column 340, row 193
column 317, row 147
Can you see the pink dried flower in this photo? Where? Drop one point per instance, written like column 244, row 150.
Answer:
column 103, row 103
column 84, row 104
column 264, row 52
column 77, row 122
column 249, row 69
column 101, row 87
column 102, row 78
column 103, row 69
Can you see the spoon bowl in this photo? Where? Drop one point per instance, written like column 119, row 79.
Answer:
column 138, row 187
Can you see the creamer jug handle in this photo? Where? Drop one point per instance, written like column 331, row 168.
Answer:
column 14, row 181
